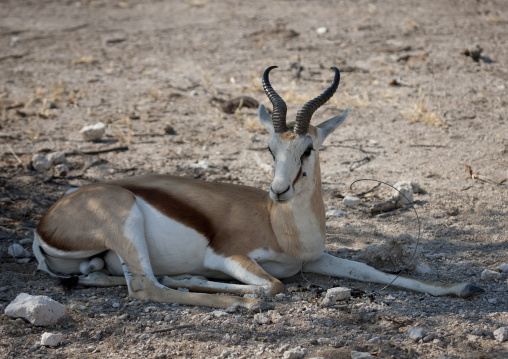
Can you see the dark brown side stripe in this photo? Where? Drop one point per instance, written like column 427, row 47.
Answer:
column 175, row 208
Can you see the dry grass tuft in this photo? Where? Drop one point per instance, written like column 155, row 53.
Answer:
column 422, row 113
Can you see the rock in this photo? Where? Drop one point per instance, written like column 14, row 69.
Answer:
column 61, row 170
column 335, row 213
column 321, row 30
column 503, row 268
column 51, row 339
column 26, row 241
column 351, row 201
column 501, row 334
column 403, row 193
column 361, row 355
column 415, row 333
column 261, row 318
column 423, row 268
column 225, row 353
column 56, row 158
column 393, row 254
column 295, row 353
column 40, row 163
column 39, row 310
column 93, row 132
column 334, row 294
column 219, row 313
column 17, row 251
column 275, row 316
column 488, row 274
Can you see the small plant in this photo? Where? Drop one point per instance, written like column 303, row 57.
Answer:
column 422, row 113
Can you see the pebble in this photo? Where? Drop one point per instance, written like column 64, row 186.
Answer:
column 261, row 318
column 40, row 163
column 219, row 313
column 415, row 333
column 403, row 193
column 39, row 310
column 61, row 170
column 93, row 132
column 488, row 274
column 56, row 158
column 51, row 339
column 26, row 241
column 351, row 201
column 17, row 251
column 501, row 334
column 503, row 268
column 335, row 213
column 334, row 294
column 321, row 30
column 361, row 355
column 295, row 353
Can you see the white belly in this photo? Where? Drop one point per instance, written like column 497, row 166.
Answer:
column 173, row 248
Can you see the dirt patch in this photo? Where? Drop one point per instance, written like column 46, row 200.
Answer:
column 422, row 108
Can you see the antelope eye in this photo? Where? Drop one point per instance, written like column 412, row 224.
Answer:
column 307, row 153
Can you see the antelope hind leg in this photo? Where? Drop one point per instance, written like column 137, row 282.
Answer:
column 203, row 285
column 343, row 268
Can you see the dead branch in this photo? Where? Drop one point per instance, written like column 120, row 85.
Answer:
column 96, row 152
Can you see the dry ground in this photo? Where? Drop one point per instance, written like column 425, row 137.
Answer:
column 421, row 110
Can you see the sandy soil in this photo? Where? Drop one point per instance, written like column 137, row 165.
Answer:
column 152, row 71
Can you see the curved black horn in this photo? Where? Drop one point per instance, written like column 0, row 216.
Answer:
column 279, row 106
column 305, row 112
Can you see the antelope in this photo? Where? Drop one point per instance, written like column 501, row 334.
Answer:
column 158, row 233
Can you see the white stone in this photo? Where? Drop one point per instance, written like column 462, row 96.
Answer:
column 219, row 313
column 503, row 268
column 202, row 165
column 261, row 318
column 335, row 213
column 351, row 201
column 488, row 274
column 334, row 294
column 56, row 158
column 93, row 132
column 415, row 333
column 51, row 339
column 26, row 241
column 403, row 193
column 38, row 310
column 17, row 251
column 275, row 316
column 321, row 30
column 501, row 334
column 295, row 353
column 423, row 269
column 40, row 163
column 61, row 170
column 361, row 355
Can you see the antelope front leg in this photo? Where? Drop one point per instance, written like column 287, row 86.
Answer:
column 246, row 270
column 343, row 268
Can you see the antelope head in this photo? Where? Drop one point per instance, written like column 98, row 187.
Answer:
column 295, row 146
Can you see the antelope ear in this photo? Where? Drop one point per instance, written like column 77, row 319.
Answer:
column 265, row 118
column 327, row 127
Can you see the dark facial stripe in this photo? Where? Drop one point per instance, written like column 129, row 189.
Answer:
column 175, row 208
column 298, row 175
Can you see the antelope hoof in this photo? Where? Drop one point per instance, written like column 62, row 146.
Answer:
column 261, row 306
column 470, row 290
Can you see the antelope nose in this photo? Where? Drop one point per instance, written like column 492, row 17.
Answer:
column 278, row 194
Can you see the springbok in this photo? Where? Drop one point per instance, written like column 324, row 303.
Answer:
column 157, row 232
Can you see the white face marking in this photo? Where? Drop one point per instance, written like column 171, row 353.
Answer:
column 293, row 164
